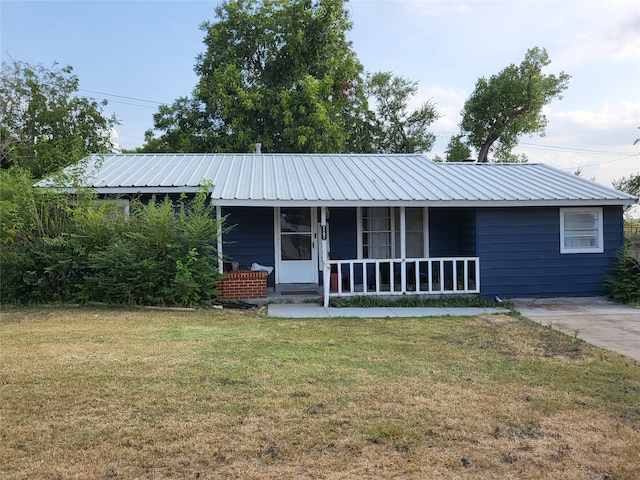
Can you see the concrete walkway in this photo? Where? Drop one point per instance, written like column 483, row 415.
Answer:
column 311, row 310
column 596, row 320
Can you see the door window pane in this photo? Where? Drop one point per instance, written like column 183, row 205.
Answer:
column 295, row 246
column 295, row 220
column 295, row 234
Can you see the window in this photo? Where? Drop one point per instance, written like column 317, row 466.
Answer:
column 376, row 232
column 414, row 232
column 581, row 230
column 381, row 232
column 114, row 208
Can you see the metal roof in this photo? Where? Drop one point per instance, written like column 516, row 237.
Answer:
column 343, row 179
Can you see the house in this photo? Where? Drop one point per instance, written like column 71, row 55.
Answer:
column 362, row 224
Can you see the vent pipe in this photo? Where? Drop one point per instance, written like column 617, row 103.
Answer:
column 258, row 148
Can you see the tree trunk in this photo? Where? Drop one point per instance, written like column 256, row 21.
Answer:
column 484, row 150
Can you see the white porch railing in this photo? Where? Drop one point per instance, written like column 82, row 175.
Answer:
column 397, row 276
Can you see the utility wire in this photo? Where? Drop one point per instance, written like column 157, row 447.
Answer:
column 555, row 147
column 122, row 96
column 602, row 163
column 579, row 150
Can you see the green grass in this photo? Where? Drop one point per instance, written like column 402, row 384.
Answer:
column 114, row 393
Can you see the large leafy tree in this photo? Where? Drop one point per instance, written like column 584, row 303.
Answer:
column 457, row 150
column 278, row 72
column 187, row 126
column 397, row 128
column 44, row 123
column 509, row 104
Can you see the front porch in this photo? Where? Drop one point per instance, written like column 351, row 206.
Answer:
column 384, row 278
column 401, row 276
column 350, row 251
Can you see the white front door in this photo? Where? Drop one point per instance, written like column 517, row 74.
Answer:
column 296, row 245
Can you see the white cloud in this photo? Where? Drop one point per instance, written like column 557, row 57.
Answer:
column 622, row 40
column 606, row 31
column 611, row 116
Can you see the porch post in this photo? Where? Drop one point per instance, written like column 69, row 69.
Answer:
column 326, row 269
column 403, row 250
column 219, row 239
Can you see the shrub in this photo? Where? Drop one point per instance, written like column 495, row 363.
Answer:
column 164, row 257
column 623, row 283
column 56, row 247
column 41, row 254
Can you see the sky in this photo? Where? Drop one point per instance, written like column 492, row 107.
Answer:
column 140, row 54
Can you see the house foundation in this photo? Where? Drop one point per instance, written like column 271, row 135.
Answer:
column 243, row 284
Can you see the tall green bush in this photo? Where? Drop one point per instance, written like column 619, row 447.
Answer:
column 623, row 283
column 41, row 252
column 166, row 256
column 57, row 247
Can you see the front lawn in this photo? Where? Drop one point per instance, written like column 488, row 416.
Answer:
column 114, row 393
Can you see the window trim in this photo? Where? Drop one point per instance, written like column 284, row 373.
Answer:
column 600, row 231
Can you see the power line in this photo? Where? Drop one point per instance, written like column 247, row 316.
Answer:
column 122, row 96
column 579, row 150
column 603, row 163
column 127, row 103
column 553, row 147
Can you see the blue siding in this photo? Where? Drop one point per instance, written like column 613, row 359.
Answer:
column 251, row 239
column 343, row 233
column 519, row 250
column 452, row 232
column 252, row 236
column 343, row 236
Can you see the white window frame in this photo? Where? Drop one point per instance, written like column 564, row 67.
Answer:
column 398, row 229
column 362, row 231
column 599, row 248
column 402, row 215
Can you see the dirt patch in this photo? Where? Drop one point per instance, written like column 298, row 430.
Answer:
column 497, row 319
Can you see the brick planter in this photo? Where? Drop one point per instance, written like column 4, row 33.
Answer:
column 243, row 284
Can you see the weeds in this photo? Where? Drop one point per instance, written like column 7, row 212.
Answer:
column 452, row 301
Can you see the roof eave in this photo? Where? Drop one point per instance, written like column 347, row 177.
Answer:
column 266, row 202
column 423, row 203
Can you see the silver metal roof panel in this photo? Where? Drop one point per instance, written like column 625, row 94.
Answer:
column 342, row 179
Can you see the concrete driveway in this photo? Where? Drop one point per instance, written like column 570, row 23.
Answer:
column 598, row 321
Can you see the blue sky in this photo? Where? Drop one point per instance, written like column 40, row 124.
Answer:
column 145, row 51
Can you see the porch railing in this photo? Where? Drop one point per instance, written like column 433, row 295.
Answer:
column 395, row 276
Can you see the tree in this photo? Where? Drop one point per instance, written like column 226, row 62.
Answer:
column 457, row 150
column 510, row 104
column 397, row 130
column 630, row 184
column 188, row 127
column 279, row 72
column 44, row 124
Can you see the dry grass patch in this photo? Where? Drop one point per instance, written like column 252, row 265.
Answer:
column 100, row 393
